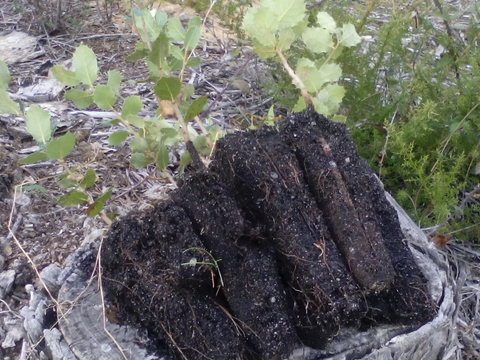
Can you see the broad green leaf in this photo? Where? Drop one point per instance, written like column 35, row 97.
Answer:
column 300, row 105
column 265, row 52
column 261, row 23
column 72, row 198
column 169, row 132
column 335, row 93
column 138, row 145
column 139, row 53
column 349, row 36
column 33, row 158
column 148, row 28
column 58, row 149
column 160, row 17
column 286, row 37
column 192, row 38
column 85, row 65
column 104, row 97
column 89, row 179
column 7, row 105
column 175, row 30
column 331, row 72
column 162, row 157
column 131, row 106
column 66, row 77
column 117, row 138
column 339, row 118
column 97, row 206
column 167, row 88
column 136, row 121
column 326, row 22
column 67, row 183
column 320, row 107
column 194, row 62
column 195, row 108
column 176, row 52
column 312, row 78
column 201, row 145
column 4, row 76
column 160, row 50
column 140, row 160
column 38, row 124
column 105, row 196
column 271, row 113
column 318, row 40
column 188, row 90
column 114, row 80
column 288, row 12
column 82, row 99
column 195, row 21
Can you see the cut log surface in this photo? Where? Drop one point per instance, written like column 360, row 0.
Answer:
column 287, row 247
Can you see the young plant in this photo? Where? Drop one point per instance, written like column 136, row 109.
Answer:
column 276, row 25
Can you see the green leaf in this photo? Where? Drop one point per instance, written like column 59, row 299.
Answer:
column 192, row 37
column 131, row 106
column 349, row 36
column 139, row 53
column 114, row 80
column 318, row 40
column 195, row 108
column 72, row 198
column 185, row 160
column 138, row 145
column 7, row 105
column 97, row 206
column 105, row 196
column 81, row 99
column 89, row 179
column 167, row 88
column 176, row 52
column 147, row 26
column 85, row 65
column 326, row 22
column 331, row 72
column 33, row 158
column 265, row 52
column 38, row 124
column 300, row 105
column 286, row 37
column 117, row 138
column 160, row 17
column 339, row 118
column 162, row 157
column 320, row 107
column 140, row 160
column 58, row 149
column 34, row 187
column 188, row 90
column 175, row 30
column 67, row 183
column 66, row 77
column 335, row 94
column 160, row 50
column 195, row 21
column 194, row 62
column 135, row 121
column 311, row 77
column 104, row 97
column 4, row 76
column 288, row 12
column 261, row 23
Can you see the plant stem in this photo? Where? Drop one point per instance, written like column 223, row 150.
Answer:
column 296, row 80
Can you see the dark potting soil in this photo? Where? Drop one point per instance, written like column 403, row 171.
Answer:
column 285, row 239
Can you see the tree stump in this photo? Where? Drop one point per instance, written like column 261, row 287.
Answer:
column 286, row 246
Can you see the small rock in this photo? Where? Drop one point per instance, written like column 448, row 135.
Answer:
column 49, row 276
column 6, row 282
